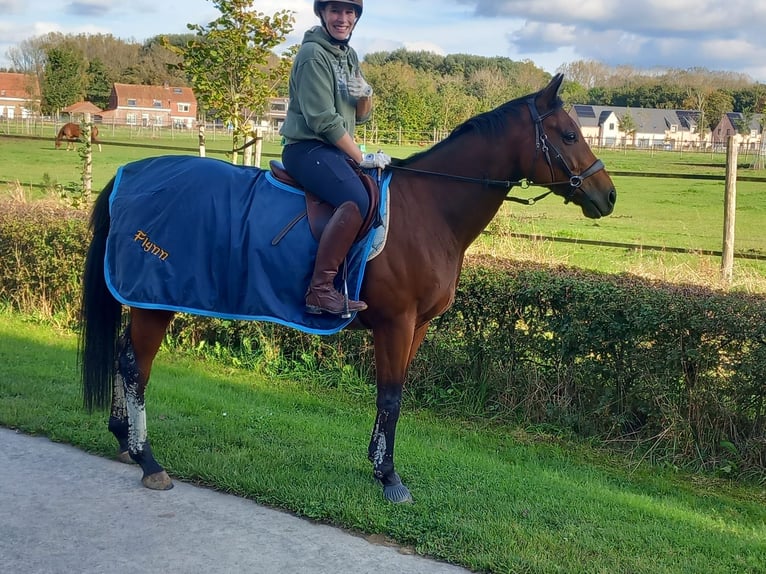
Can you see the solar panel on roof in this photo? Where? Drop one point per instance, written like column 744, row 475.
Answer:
column 585, row 111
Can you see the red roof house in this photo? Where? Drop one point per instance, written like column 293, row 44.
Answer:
column 147, row 106
column 19, row 95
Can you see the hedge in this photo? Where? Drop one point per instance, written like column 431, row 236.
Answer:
column 674, row 372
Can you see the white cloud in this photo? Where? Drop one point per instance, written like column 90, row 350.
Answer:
column 643, row 33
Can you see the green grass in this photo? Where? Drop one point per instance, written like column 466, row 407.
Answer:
column 651, row 211
column 492, row 499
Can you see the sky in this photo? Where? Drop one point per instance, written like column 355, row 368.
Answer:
column 721, row 35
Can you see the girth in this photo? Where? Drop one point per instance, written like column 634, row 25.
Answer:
column 319, row 211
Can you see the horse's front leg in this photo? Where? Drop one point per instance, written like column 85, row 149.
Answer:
column 137, row 348
column 394, row 349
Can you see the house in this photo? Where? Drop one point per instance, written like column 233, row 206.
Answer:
column 640, row 127
column 19, row 95
column 150, row 106
column 747, row 131
column 276, row 113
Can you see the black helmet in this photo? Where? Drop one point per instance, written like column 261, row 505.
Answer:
column 357, row 4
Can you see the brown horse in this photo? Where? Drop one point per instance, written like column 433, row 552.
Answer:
column 71, row 132
column 439, row 201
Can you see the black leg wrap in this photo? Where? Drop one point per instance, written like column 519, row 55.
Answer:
column 131, row 402
column 119, row 428
column 381, row 449
column 145, row 458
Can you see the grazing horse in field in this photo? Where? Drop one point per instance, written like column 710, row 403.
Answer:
column 439, row 201
column 71, row 132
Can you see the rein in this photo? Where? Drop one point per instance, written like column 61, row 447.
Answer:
column 503, row 184
column 542, row 144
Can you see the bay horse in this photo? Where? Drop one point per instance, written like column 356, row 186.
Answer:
column 72, row 132
column 440, row 200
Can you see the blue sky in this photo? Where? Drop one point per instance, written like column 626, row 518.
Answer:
column 715, row 34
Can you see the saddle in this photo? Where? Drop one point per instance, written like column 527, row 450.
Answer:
column 319, row 211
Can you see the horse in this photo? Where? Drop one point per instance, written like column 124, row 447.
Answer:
column 440, row 200
column 71, row 132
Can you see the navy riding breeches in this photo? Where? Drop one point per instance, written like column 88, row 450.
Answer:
column 324, row 170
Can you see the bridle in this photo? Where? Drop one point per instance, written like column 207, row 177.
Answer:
column 542, row 144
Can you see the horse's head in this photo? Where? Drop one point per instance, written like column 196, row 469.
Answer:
column 563, row 159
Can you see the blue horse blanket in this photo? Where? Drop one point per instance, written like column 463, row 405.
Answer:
column 195, row 235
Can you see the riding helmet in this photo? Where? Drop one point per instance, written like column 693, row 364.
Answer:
column 357, row 4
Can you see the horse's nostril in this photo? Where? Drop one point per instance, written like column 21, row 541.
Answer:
column 612, row 197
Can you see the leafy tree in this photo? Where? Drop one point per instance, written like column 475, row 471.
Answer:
column 64, row 78
column 715, row 106
column 99, row 85
column 227, row 62
column 628, row 126
column 744, row 122
column 573, row 93
column 404, row 101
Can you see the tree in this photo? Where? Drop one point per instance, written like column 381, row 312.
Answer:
column 99, row 86
column 64, row 78
column 628, row 127
column 228, row 62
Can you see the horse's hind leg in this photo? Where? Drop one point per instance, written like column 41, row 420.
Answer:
column 118, row 415
column 134, row 359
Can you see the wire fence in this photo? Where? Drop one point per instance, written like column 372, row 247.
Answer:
column 187, row 139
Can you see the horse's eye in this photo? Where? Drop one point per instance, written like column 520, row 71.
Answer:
column 570, row 137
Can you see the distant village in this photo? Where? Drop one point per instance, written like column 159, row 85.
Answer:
column 602, row 126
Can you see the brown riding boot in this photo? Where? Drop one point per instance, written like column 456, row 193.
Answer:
column 336, row 240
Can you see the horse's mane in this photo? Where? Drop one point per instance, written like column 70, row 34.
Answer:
column 489, row 124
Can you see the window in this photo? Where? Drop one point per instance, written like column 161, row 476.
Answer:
column 611, row 126
column 278, row 107
column 157, row 103
column 177, row 90
column 130, row 119
column 132, row 102
column 183, row 107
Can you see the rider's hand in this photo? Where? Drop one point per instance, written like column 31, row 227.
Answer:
column 358, row 88
column 373, row 160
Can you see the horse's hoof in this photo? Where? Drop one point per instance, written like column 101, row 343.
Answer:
column 124, row 457
column 397, row 492
column 157, row 481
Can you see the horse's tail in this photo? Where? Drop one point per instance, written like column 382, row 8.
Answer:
column 100, row 313
column 94, row 135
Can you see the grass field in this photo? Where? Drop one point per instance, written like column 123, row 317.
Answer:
column 490, row 498
column 650, row 211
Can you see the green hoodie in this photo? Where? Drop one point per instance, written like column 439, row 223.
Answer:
column 320, row 107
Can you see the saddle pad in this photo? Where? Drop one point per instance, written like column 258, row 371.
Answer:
column 194, row 235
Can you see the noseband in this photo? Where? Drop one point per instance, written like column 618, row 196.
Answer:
column 544, row 145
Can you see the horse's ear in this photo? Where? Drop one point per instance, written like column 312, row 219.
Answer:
column 550, row 93
column 557, row 81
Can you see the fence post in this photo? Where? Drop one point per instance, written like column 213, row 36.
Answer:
column 87, row 172
column 729, row 209
column 247, row 153
column 258, row 146
column 202, row 140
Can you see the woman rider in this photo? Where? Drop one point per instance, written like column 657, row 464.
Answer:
column 328, row 97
